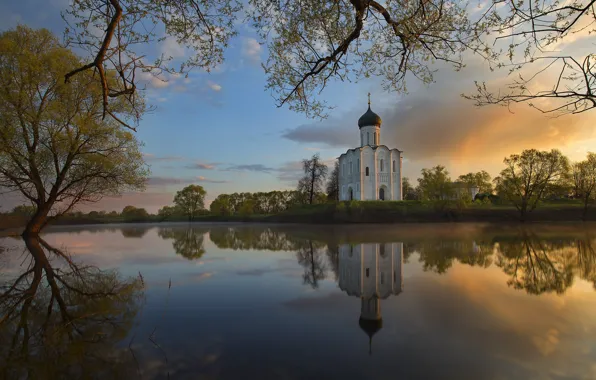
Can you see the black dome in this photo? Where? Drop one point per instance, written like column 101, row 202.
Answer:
column 369, row 118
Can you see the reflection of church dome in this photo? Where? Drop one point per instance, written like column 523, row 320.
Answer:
column 370, row 327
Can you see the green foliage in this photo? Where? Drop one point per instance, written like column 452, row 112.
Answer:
column 333, row 184
column 482, row 180
column 409, row 193
column 272, row 202
column 133, row 214
column 55, row 147
column 190, row 200
column 527, row 177
column 435, row 184
column 24, row 210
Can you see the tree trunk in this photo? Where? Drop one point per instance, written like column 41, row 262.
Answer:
column 312, row 185
column 36, row 223
column 585, row 212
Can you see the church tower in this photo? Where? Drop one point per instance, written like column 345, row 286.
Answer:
column 370, row 127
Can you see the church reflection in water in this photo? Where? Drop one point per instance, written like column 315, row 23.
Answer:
column 373, row 272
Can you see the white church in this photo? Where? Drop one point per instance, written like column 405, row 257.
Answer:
column 372, row 272
column 371, row 171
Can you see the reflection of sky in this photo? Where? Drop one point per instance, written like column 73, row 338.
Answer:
column 247, row 314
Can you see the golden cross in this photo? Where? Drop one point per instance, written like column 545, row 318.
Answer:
column 369, row 98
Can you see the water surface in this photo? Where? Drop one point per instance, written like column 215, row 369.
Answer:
column 300, row 302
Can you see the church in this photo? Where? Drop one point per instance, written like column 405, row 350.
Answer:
column 371, row 171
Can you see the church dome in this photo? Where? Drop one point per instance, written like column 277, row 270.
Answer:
column 369, row 118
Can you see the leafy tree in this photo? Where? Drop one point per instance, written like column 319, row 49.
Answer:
column 55, row 149
column 167, row 212
column 128, row 27
column 133, row 214
column 481, row 179
column 311, row 258
column 24, row 210
column 315, row 172
column 435, row 184
column 190, row 200
column 409, row 193
column 333, row 184
column 528, row 175
column 584, row 181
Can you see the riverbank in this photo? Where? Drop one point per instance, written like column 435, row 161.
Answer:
column 359, row 212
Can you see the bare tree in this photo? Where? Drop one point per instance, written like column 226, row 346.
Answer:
column 315, row 172
column 533, row 31
column 333, row 184
column 312, row 42
column 117, row 33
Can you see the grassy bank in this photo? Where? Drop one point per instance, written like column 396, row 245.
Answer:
column 362, row 212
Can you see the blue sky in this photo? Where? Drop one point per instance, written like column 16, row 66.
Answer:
column 222, row 130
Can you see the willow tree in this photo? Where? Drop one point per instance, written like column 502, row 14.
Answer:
column 55, row 149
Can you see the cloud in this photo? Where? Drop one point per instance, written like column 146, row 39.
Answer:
column 170, row 48
column 207, row 180
column 164, row 181
column 152, row 158
column 251, row 50
column 435, row 125
column 202, row 165
column 251, row 168
column 214, row 86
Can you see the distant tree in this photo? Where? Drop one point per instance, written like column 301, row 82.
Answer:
column 134, row 214
column 409, row 193
column 190, row 200
column 55, row 149
column 333, row 184
column 167, row 212
column 584, row 181
column 527, row 176
column 187, row 242
column 435, row 184
column 480, row 179
column 221, row 205
column 24, row 210
column 247, row 207
column 315, row 172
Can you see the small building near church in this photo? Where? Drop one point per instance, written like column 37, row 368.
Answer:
column 372, row 171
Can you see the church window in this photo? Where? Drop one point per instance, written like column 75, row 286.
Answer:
column 381, row 164
column 367, row 272
column 394, row 166
column 394, row 277
column 367, row 138
column 382, row 250
column 367, row 171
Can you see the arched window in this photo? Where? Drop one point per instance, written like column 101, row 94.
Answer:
column 382, row 250
column 367, row 272
column 367, row 171
column 381, row 164
column 394, row 166
column 367, row 138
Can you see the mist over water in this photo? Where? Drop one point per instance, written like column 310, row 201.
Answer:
column 300, row 302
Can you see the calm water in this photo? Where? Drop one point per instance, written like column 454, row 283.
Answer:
column 300, row 302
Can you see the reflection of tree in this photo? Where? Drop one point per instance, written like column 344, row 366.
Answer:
column 258, row 237
column 438, row 255
column 134, row 232
column 188, row 242
column 586, row 259
column 59, row 318
column 536, row 265
column 333, row 257
column 311, row 258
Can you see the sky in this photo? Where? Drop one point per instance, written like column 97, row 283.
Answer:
column 223, row 130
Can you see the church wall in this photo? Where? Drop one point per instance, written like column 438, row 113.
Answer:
column 396, row 179
column 368, row 182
